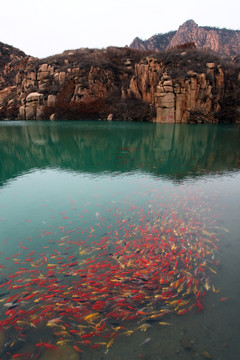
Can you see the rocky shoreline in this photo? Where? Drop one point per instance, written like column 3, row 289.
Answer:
column 182, row 85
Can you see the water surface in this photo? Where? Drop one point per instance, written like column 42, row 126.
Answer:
column 120, row 240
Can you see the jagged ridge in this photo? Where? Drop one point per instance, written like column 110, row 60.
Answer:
column 223, row 42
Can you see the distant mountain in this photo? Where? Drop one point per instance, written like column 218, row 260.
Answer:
column 158, row 42
column 223, row 42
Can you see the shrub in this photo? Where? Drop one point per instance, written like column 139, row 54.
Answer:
column 9, row 112
column 188, row 45
column 130, row 109
column 72, row 110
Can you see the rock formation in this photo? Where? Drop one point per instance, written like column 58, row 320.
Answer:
column 158, row 42
column 223, row 42
column 192, row 99
column 179, row 85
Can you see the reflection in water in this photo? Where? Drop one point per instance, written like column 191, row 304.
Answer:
column 177, row 151
column 97, row 244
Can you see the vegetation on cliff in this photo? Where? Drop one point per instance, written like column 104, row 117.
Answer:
column 121, row 82
column 10, row 58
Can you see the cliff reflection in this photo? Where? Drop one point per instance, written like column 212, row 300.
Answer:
column 169, row 150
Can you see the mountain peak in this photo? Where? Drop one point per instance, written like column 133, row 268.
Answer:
column 189, row 23
column 222, row 41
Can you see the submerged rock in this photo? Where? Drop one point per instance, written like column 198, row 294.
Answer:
column 110, row 117
column 186, row 343
column 2, row 340
column 206, row 355
column 225, row 344
column 66, row 352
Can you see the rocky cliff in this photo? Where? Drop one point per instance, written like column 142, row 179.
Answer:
column 158, row 42
column 223, row 42
column 10, row 58
column 179, row 85
column 195, row 98
column 11, row 61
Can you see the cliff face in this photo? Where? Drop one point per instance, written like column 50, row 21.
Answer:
column 222, row 41
column 123, row 84
column 10, row 59
column 80, row 84
column 195, row 98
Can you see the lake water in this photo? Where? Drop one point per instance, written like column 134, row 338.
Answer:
column 119, row 241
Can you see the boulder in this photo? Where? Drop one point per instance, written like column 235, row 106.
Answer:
column 160, row 89
column 6, row 93
column 177, row 88
column 166, row 100
column 168, row 83
column 165, row 77
column 30, row 112
column 43, row 86
column 191, row 73
column 194, row 83
column 32, row 76
column 22, row 112
column 35, row 96
column 43, row 75
column 40, row 112
column 53, row 117
column 33, row 107
column 66, row 352
column 61, row 77
column 168, row 88
column 110, row 117
column 51, row 101
column 43, row 67
column 203, row 81
column 210, row 65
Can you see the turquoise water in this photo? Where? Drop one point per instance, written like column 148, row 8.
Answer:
column 74, row 194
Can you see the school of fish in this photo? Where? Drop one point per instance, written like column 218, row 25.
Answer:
column 86, row 289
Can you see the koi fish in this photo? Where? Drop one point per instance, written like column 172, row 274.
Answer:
column 213, row 271
column 110, row 343
column 146, row 341
column 14, row 356
column 47, row 346
column 91, row 317
column 77, row 349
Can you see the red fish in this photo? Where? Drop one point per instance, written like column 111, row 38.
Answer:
column 47, row 346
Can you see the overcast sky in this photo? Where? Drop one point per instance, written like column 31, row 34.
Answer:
column 48, row 27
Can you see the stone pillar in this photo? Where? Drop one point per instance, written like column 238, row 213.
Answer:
column 34, row 106
column 165, row 101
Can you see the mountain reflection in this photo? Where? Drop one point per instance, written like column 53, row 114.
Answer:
column 169, row 150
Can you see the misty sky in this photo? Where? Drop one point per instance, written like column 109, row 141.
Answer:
column 48, row 27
